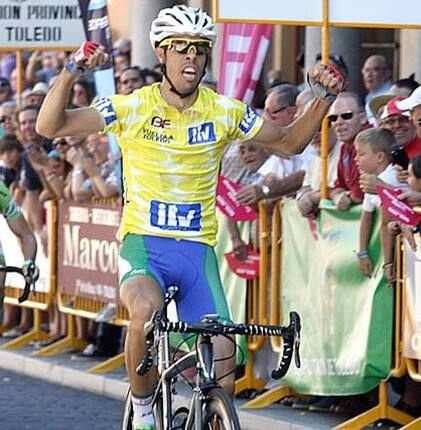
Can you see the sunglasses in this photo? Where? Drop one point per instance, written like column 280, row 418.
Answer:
column 5, row 118
column 184, row 46
column 60, row 142
column 345, row 116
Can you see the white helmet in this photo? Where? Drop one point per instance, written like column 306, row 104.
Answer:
column 181, row 19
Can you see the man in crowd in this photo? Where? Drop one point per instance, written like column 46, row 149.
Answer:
column 347, row 117
column 377, row 80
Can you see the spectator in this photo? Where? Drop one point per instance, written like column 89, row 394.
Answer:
column 37, row 94
column 308, row 197
column 151, row 76
column 400, row 124
column 374, row 156
column 131, row 78
column 42, row 66
column 7, row 112
column 82, row 93
column 6, row 92
column 94, row 175
column 376, row 78
column 347, row 118
column 280, row 107
column 11, row 151
column 404, row 87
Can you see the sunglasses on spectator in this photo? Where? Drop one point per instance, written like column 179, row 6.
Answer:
column 5, row 118
column 184, row 46
column 345, row 116
column 60, row 142
column 274, row 112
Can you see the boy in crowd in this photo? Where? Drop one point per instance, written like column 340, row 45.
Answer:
column 373, row 155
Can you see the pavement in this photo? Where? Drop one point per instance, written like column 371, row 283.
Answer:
column 72, row 370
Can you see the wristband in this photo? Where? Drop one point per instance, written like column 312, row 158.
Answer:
column 387, row 265
column 265, row 190
column 74, row 69
column 362, row 254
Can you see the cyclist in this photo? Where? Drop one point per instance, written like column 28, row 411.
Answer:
column 172, row 136
column 17, row 223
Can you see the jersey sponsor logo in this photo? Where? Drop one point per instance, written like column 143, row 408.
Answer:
column 155, row 136
column 248, row 121
column 105, row 106
column 159, row 122
column 176, row 216
column 203, row 133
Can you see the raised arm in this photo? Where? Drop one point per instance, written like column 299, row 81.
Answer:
column 293, row 139
column 54, row 120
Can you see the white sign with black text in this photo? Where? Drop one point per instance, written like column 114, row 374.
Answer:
column 40, row 24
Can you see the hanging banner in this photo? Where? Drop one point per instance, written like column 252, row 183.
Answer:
column 347, row 318
column 412, row 306
column 97, row 29
column 40, row 24
column 244, row 48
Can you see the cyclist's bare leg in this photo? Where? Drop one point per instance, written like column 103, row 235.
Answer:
column 224, row 348
column 142, row 296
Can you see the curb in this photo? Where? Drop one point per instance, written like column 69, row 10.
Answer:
column 114, row 388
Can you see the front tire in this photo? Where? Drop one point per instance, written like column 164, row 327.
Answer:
column 219, row 412
column 128, row 412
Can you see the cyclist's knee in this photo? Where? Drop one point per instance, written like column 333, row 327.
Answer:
column 141, row 297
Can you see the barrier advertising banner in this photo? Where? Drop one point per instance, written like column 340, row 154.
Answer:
column 88, row 253
column 347, row 319
column 40, row 24
column 412, row 306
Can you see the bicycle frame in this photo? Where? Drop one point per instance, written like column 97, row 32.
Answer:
column 205, row 379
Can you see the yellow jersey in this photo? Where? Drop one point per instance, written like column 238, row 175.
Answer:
column 171, row 159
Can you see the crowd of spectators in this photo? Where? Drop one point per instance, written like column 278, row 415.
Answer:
column 79, row 168
column 37, row 169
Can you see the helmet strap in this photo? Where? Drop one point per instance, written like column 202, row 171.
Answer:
column 174, row 89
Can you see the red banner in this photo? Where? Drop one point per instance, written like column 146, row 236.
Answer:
column 246, row 269
column 398, row 209
column 243, row 52
column 229, row 205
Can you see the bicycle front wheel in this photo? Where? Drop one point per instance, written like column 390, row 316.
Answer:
column 219, row 412
column 128, row 412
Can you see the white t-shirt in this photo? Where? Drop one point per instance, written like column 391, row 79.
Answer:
column 313, row 176
column 389, row 175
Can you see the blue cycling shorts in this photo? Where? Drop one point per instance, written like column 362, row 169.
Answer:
column 191, row 266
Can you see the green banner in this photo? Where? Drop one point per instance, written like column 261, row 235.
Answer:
column 346, row 318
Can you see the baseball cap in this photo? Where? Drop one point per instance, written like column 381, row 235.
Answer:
column 392, row 108
column 40, row 88
column 412, row 101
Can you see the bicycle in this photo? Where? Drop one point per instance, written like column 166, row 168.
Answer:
column 28, row 277
column 210, row 407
